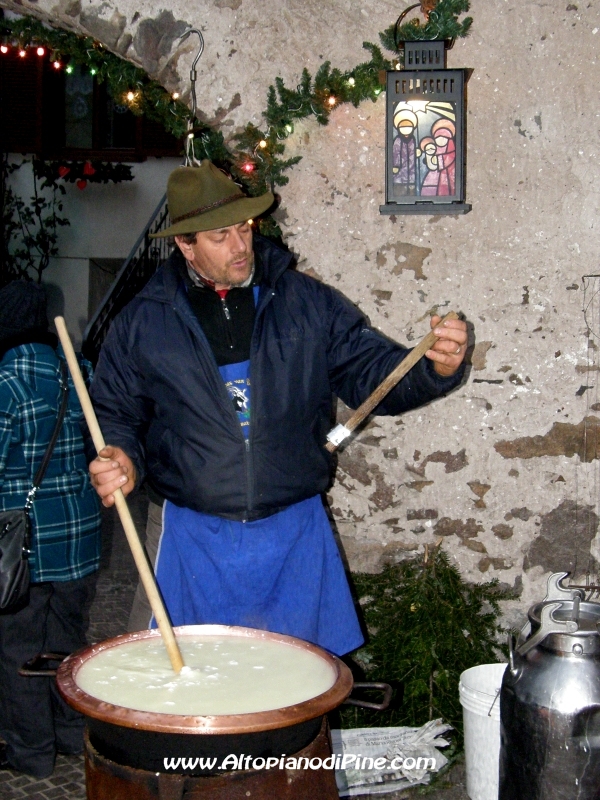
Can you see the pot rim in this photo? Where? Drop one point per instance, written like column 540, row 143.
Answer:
column 216, row 724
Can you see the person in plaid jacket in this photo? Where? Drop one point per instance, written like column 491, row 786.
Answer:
column 35, row 722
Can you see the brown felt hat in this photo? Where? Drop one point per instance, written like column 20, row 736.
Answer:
column 203, row 198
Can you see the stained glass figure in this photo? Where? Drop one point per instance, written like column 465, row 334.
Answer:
column 425, row 138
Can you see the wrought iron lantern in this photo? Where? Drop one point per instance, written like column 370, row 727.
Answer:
column 425, row 134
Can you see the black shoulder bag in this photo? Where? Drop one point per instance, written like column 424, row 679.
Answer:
column 15, row 524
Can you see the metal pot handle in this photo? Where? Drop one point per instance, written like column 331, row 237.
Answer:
column 38, row 666
column 548, row 625
column 387, row 696
column 556, row 591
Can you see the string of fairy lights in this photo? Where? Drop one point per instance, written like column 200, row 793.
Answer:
column 254, row 156
column 60, row 62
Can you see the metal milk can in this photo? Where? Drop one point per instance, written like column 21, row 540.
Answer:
column 550, row 701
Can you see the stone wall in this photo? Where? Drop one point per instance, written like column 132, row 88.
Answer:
column 505, row 469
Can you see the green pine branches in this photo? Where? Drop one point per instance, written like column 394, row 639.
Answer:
column 443, row 23
column 426, row 625
column 121, row 76
column 255, row 157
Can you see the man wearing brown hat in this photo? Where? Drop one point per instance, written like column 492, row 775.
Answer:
column 214, row 387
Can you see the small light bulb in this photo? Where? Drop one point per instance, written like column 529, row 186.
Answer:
column 332, row 101
column 130, row 97
column 289, row 129
column 250, row 222
column 22, row 53
column 69, row 69
column 248, row 167
column 190, row 135
column 93, row 71
column 175, row 95
column 262, row 144
column 40, row 51
column 3, row 48
column 351, row 81
column 378, row 91
column 56, row 64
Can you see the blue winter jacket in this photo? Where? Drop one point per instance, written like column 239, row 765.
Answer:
column 159, row 395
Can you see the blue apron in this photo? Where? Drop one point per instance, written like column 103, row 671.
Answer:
column 283, row 573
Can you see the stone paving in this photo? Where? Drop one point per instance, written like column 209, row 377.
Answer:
column 108, row 617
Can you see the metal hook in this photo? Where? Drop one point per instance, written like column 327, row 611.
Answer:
column 399, row 21
column 190, row 157
column 193, row 73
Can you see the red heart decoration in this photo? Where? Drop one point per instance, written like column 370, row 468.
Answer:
column 88, row 169
column 62, row 171
column 81, row 184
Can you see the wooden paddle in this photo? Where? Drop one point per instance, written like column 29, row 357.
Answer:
column 337, row 435
column 139, row 556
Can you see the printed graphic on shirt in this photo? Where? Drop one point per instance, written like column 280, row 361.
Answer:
column 239, row 391
column 237, row 382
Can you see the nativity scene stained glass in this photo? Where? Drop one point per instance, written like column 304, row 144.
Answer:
column 425, row 137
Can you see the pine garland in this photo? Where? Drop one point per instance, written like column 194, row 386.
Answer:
column 426, row 625
column 257, row 161
column 121, row 76
column 255, row 156
column 441, row 23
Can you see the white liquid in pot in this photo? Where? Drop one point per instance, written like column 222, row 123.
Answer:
column 223, row 675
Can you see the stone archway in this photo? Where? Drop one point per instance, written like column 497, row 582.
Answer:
column 149, row 43
column 246, row 48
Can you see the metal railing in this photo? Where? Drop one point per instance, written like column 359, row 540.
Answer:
column 139, row 266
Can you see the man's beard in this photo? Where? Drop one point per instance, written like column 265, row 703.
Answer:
column 199, row 279
column 248, row 280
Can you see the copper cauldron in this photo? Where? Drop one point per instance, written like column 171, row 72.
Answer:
column 142, row 739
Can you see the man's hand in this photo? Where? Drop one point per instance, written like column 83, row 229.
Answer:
column 449, row 350
column 112, row 469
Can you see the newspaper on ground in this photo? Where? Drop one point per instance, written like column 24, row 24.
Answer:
column 374, row 761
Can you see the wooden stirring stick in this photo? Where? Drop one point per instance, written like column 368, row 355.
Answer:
column 337, row 435
column 139, row 556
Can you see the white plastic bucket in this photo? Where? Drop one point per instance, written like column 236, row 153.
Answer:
column 479, row 690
